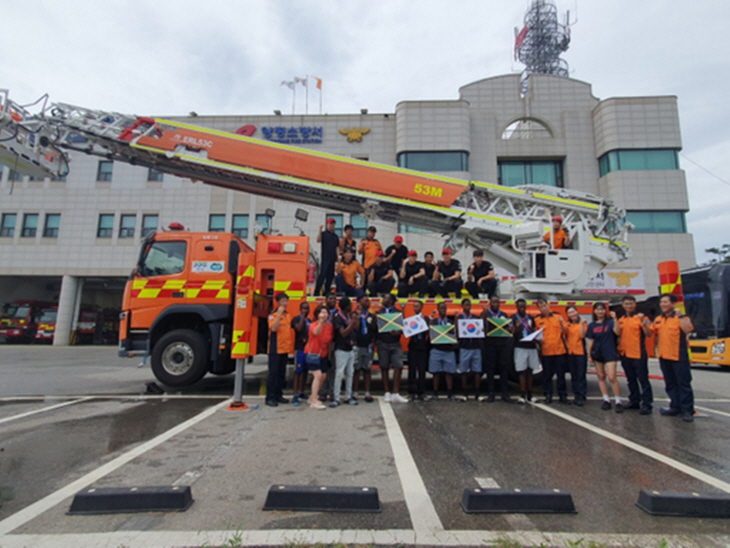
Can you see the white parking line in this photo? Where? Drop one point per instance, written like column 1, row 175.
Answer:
column 34, row 510
column 709, row 410
column 119, row 397
column 44, row 409
column 424, row 518
column 518, row 522
column 697, row 474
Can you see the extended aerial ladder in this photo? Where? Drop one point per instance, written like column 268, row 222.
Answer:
column 508, row 223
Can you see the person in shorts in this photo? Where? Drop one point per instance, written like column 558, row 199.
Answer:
column 390, row 354
column 527, row 360
column 603, row 353
column 442, row 358
column 320, row 337
column 470, row 354
column 300, row 325
column 366, row 331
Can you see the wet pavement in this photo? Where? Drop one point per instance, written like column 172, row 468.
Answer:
column 420, row 456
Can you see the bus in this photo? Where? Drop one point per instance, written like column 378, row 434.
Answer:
column 707, row 302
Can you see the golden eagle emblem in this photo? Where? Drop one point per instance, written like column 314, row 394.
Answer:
column 623, row 279
column 354, row 134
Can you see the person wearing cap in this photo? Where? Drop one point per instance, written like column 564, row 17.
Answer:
column 281, row 344
column 380, row 276
column 559, row 235
column 412, row 276
column 328, row 257
column 396, row 254
column 369, row 247
column 481, row 277
column 347, row 240
column 348, row 271
column 447, row 276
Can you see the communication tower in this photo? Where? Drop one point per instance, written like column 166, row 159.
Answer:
column 542, row 39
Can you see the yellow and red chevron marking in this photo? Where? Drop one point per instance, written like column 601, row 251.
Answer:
column 294, row 290
column 249, row 272
column 670, row 282
column 241, row 344
column 198, row 289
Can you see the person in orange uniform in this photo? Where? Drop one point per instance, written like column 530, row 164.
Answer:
column 369, row 248
column 560, row 237
column 633, row 330
column 575, row 333
column 553, row 352
column 281, row 344
column 671, row 330
column 347, row 272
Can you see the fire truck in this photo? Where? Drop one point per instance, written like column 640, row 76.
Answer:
column 46, row 325
column 19, row 321
column 195, row 301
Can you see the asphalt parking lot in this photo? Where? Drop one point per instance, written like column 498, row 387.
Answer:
column 79, row 417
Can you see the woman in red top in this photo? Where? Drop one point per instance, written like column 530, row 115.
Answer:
column 320, row 336
column 575, row 333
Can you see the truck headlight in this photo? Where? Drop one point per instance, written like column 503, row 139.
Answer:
column 718, row 347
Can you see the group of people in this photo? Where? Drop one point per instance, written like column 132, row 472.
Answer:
column 337, row 343
column 380, row 271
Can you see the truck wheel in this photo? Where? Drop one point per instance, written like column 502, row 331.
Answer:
column 180, row 358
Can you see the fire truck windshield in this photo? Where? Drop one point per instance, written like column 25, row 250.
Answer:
column 17, row 312
column 163, row 259
column 48, row 316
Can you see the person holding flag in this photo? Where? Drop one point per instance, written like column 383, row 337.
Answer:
column 442, row 357
column 390, row 354
column 527, row 360
column 417, row 358
column 497, row 347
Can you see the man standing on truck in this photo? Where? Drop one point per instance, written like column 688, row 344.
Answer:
column 328, row 256
column 369, row 247
column 281, row 344
column 671, row 330
column 560, row 237
column 633, row 330
column 396, row 253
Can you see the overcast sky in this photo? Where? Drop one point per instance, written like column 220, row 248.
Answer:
column 229, row 57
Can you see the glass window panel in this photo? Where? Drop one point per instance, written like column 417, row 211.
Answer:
column 512, row 174
column 263, row 221
column 404, row 229
column 14, row 176
column 359, row 226
column 217, row 223
column 661, row 159
column 154, row 175
column 668, row 222
column 632, row 160
column 163, row 259
column 434, row 161
column 149, row 224
column 53, row 222
column 126, row 226
column 104, row 172
column 30, row 225
column 240, row 226
column 106, row 225
column 543, row 173
column 7, row 229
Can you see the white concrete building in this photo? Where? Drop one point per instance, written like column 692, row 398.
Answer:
column 87, row 228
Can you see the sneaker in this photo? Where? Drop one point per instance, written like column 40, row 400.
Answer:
column 606, row 406
column 397, row 398
column 688, row 416
column 335, row 404
column 351, row 401
column 386, row 397
column 317, row 405
column 669, row 412
column 619, row 408
column 369, row 398
column 521, row 400
column 295, row 401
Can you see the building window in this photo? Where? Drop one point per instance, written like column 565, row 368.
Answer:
column 149, row 224
column 50, row 228
column 30, row 225
column 106, row 225
column 339, row 222
column 59, row 179
column 264, row 221
column 217, row 223
column 154, row 175
column 452, row 160
column 526, row 128
column 359, row 226
column 240, row 226
column 404, row 229
column 14, row 176
column 126, row 226
column 104, row 171
column 7, row 228
column 638, row 160
column 657, row 222
column 542, row 172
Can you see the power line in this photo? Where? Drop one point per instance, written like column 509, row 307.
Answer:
column 691, row 161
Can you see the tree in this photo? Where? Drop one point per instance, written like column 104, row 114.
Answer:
column 722, row 254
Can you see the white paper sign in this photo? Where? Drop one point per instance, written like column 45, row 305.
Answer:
column 470, row 328
column 536, row 336
column 414, row 325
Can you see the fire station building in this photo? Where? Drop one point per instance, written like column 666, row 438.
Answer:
column 76, row 240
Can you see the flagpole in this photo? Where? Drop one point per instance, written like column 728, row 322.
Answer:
column 293, row 97
column 306, row 95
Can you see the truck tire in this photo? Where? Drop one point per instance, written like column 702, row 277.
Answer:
column 180, row 358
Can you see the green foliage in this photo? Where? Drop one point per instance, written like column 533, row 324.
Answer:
column 722, row 254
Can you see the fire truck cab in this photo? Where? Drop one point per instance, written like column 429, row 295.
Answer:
column 189, row 289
